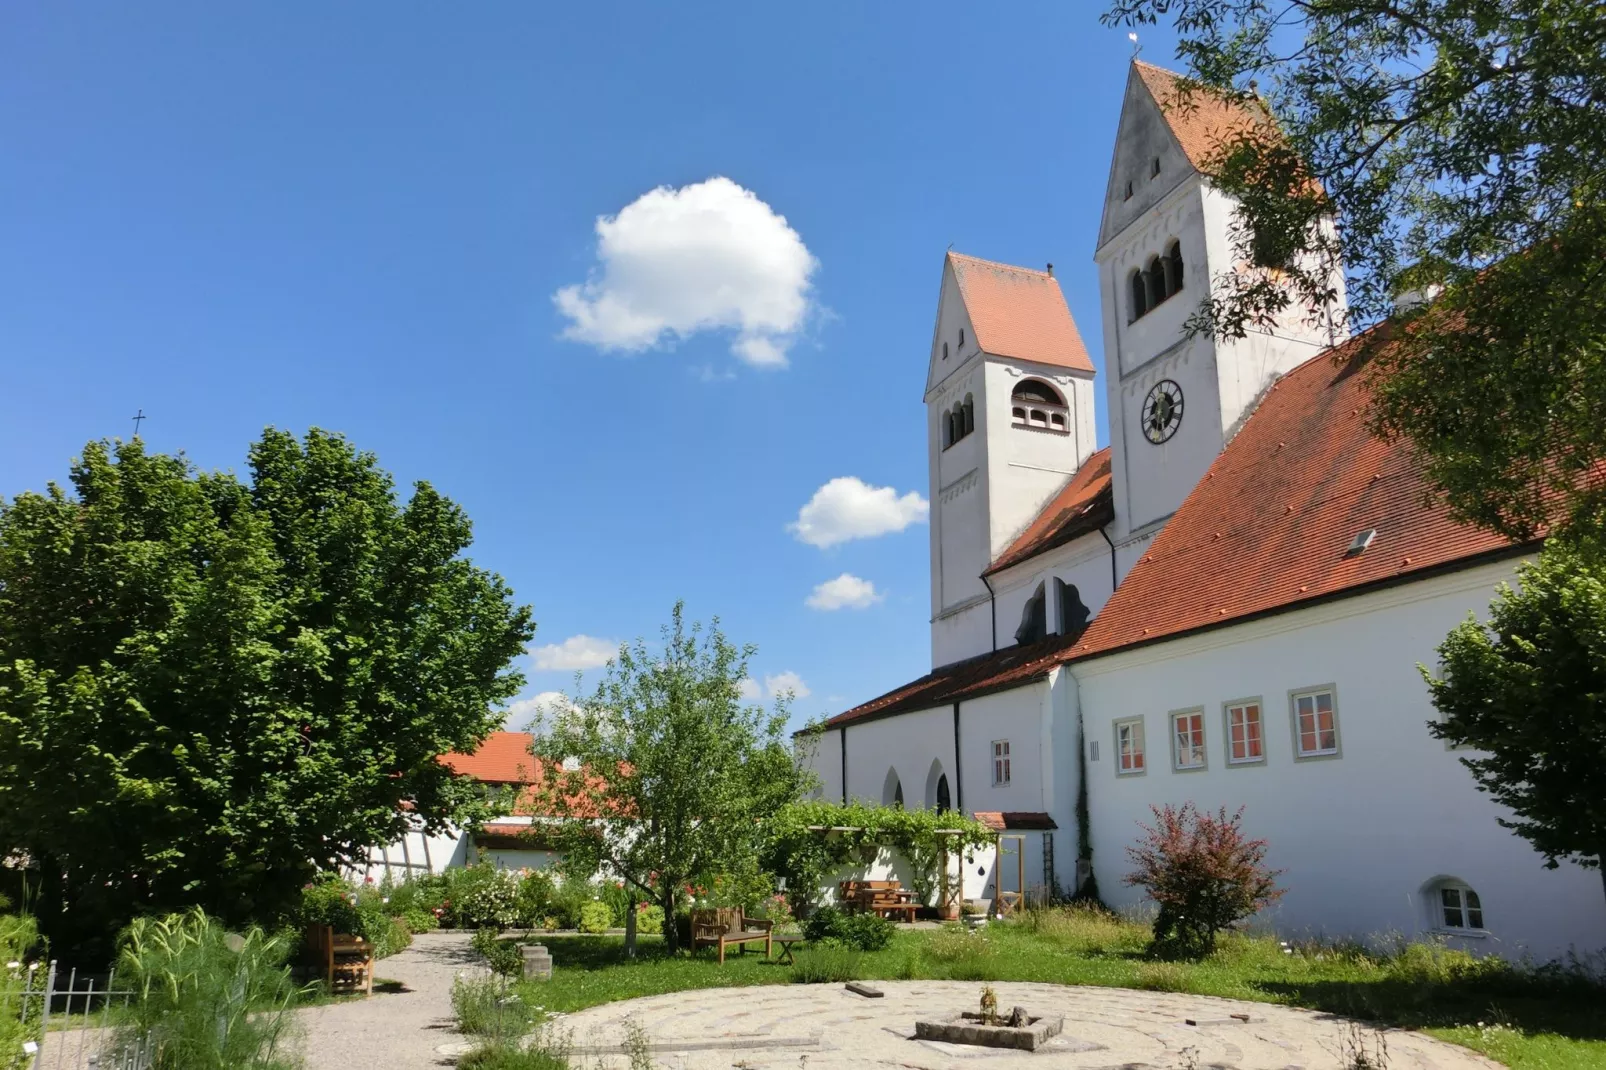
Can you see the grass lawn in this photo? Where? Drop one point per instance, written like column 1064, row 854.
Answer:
column 1526, row 1019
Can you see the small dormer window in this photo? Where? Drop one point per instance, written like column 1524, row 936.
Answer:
column 1154, row 168
column 961, row 338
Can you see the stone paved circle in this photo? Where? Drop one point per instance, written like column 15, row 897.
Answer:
column 824, row 1027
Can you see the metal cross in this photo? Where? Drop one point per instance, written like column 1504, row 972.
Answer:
column 138, row 416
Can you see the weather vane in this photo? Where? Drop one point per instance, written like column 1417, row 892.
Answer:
column 1136, row 48
column 138, row 416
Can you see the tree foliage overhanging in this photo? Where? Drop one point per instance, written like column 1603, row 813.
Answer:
column 1527, row 692
column 664, row 774
column 210, row 688
column 1455, row 144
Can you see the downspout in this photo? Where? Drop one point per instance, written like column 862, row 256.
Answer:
column 992, row 601
column 1114, row 583
column 959, row 771
column 844, row 749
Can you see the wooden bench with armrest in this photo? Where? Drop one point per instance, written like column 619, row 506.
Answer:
column 346, row 962
column 727, row 927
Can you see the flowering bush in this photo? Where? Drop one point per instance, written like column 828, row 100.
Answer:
column 1203, row 874
column 17, row 938
column 486, row 897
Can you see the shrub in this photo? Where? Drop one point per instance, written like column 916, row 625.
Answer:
column 568, row 899
column 595, row 917
column 331, row 901
column 419, row 920
column 1203, row 874
column 649, row 919
column 827, row 963
column 489, row 1009
column 534, row 899
column 485, row 896
column 504, row 956
column 867, row 932
column 1083, row 928
column 203, row 1005
column 17, row 938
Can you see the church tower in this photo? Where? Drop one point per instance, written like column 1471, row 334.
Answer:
column 1009, row 403
column 1174, row 401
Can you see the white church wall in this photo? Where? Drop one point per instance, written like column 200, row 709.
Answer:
column 962, row 633
column 959, row 489
column 1028, row 466
column 822, row 755
column 906, row 746
column 1358, row 835
column 1018, row 717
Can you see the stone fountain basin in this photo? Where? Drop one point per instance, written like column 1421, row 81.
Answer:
column 967, row 1028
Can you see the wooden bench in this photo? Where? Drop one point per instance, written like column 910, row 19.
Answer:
column 727, row 927
column 345, row 961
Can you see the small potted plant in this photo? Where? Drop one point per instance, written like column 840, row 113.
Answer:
column 975, row 912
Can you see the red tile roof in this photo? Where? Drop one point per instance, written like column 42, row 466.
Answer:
column 1019, row 313
column 504, row 758
column 1201, row 120
column 1267, row 529
column 998, row 671
column 1084, row 505
column 1016, row 821
column 1270, row 524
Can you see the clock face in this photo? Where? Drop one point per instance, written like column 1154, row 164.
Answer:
column 1162, row 411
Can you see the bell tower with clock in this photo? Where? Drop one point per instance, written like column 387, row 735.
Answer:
column 1165, row 239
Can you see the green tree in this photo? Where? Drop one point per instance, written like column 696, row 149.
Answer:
column 1527, row 693
column 663, row 773
column 211, row 689
column 1456, row 144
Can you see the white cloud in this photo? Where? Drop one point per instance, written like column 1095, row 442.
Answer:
column 575, row 652
column 786, row 681
column 522, row 714
column 847, row 591
column 773, row 687
column 849, row 508
column 708, row 256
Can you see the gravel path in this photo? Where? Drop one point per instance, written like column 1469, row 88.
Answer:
column 395, row 1030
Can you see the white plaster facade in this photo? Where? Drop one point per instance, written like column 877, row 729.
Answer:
column 1364, row 836
column 1361, row 837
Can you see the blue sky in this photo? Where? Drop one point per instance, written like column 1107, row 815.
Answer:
column 365, row 217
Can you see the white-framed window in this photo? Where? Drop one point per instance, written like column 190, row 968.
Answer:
column 1000, row 762
column 1455, row 907
column 1129, row 760
column 1187, row 739
column 1246, row 731
column 1315, row 721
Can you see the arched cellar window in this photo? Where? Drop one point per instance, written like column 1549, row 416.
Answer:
column 1036, row 404
column 1140, row 294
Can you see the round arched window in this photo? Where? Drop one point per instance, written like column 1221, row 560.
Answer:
column 1454, row 905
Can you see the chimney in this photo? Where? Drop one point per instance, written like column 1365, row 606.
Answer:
column 1051, row 271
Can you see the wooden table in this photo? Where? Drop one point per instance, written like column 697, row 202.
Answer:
column 785, row 943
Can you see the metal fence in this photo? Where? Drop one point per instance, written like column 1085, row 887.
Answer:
column 78, row 1019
